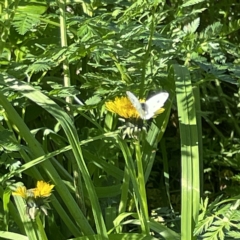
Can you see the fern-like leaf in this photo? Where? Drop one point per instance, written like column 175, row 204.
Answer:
column 234, row 235
column 41, row 65
column 192, row 27
column 212, row 30
column 25, row 22
column 93, row 100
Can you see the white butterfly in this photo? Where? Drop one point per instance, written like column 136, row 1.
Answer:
column 148, row 109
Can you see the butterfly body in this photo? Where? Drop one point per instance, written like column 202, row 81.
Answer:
column 148, row 109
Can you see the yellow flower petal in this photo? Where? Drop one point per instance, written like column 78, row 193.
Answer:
column 43, row 189
column 123, row 107
column 21, row 191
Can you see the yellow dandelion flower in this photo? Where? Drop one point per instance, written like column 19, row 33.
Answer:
column 21, row 191
column 123, row 107
column 43, row 189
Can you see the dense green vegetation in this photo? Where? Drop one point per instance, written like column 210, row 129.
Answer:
column 172, row 177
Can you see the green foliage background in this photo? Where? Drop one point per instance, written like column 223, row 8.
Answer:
column 61, row 61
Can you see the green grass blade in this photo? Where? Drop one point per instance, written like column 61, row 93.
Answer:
column 164, row 231
column 189, row 151
column 13, row 236
column 196, row 93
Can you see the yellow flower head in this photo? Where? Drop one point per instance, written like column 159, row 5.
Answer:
column 123, row 107
column 43, row 189
column 21, row 191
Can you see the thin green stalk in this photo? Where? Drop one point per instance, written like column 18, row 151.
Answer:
column 215, row 129
column 124, row 197
column 138, row 199
column 40, row 228
column 63, row 32
column 67, row 83
column 166, row 171
column 141, row 182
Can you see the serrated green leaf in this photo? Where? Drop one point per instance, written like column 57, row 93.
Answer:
column 192, row 27
column 41, row 65
column 93, row 100
column 24, row 23
column 7, row 141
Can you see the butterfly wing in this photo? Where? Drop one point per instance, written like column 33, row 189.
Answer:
column 154, row 103
column 135, row 102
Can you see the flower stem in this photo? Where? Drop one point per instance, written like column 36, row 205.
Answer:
column 141, row 182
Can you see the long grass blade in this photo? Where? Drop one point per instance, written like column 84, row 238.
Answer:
column 189, row 151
